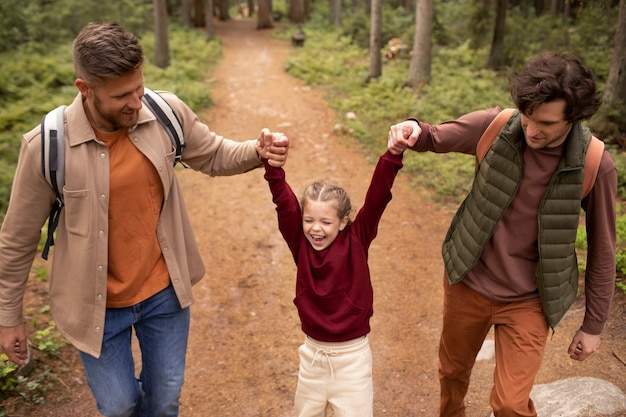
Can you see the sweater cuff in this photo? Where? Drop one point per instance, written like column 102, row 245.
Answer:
column 593, row 327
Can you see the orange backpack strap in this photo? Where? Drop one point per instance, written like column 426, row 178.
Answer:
column 486, row 140
column 592, row 164
column 592, row 157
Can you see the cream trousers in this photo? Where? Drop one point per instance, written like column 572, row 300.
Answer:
column 339, row 374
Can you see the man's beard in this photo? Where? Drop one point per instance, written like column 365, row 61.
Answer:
column 118, row 120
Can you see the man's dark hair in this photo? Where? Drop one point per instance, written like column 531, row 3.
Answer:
column 551, row 76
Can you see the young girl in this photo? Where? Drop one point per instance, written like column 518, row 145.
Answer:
column 334, row 293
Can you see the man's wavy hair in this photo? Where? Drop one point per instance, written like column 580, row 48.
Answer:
column 103, row 51
column 551, row 76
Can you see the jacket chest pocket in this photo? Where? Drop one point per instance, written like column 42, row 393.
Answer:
column 77, row 212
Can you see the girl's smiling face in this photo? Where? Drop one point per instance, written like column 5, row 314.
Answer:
column 321, row 223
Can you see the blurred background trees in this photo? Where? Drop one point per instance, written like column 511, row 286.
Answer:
column 451, row 55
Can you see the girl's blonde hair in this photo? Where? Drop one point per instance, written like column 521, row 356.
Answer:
column 324, row 192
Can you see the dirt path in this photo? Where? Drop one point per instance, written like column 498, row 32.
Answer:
column 242, row 358
column 245, row 329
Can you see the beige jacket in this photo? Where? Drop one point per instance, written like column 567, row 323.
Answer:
column 79, row 266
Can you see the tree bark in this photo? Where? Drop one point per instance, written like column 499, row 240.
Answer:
column 421, row 61
column 307, row 9
column 611, row 118
column 376, row 23
column 335, row 12
column 496, row 56
column 209, row 23
column 198, row 13
column 185, row 12
column 161, row 41
column 223, row 10
column 264, row 16
column 295, row 11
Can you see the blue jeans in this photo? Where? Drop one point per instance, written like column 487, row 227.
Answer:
column 162, row 329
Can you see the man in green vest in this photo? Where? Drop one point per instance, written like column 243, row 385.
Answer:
column 509, row 255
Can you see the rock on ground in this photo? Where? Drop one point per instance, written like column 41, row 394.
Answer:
column 579, row 397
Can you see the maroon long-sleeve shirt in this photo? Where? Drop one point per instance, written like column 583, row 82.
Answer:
column 334, row 294
column 506, row 269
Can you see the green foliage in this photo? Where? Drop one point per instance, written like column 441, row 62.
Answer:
column 34, row 386
column 620, row 163
column 192, row 58
column 7, row 369
column 396, row 24
column 44, row 24
column 620, row 224
column 48, row 340
column 40, row 272
column 584, row 36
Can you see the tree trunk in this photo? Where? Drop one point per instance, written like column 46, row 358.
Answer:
column 496, row 56
column 250, row 8
column 161, row 41
column 611, row 119
column 295, row 11
column 539, row 7
column 185, row 12
column 264, row 16
column 335, row 12
column 198, row 13
column 376, row 23
column 554, row 7
column 419, row 68
column 209, row 23
column 223, row 10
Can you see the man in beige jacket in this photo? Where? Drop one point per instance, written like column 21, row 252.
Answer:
column 125, row 255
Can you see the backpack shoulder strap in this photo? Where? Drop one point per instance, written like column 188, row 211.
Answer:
column 592, row 164
column 592, row 157
column 489, row 135
column 166, row 116
column 53, row 166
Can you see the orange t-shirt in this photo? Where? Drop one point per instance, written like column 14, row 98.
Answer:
column 136, row 269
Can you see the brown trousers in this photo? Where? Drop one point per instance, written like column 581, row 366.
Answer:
column 520, row 331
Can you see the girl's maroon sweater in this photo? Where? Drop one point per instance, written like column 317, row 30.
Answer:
column 334, row 293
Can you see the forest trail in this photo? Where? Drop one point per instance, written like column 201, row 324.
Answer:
column 242, row 358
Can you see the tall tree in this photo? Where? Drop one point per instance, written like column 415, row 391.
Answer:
column 161, row 41
column 198, row 13
column 222, row 7
column 421, row 61
column 264, row 16
column 335, row 12
column 209, row 23
column 539, row 7
column 496, row 56
column 295, row 11
column 611, row 118
column 185, row 12
column 376, row 24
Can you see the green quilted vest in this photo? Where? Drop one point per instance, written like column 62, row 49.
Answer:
column 494, row 187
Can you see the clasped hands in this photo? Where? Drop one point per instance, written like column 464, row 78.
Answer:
column 273, row 146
